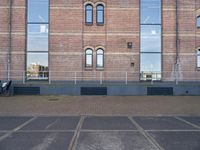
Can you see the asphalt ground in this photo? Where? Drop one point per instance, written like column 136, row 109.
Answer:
column 99, row 123
column 100, row 133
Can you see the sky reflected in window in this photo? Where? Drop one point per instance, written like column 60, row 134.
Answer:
column 38, row 10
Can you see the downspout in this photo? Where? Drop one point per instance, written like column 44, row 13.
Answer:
column 177, row 45
column 9, row 39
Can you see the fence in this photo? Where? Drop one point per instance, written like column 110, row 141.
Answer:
column 99, row 77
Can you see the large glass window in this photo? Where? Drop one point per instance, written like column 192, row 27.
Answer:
column 150, row 40
column 100, row 14
column 37, row 39
column 89, row 14
column 198, row 22
column 100, row 58
column 150, row 12
column 88, row 58
column 38, row 11
column 150, row 66
column 198, row 58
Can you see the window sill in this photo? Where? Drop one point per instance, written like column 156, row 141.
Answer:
column 100, row 24
column 88, row 68
column 99, row 69
column 88, row 24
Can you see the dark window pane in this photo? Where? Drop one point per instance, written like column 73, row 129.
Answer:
column 198, row 22
column 89, row 14
column 37, row 66
column 150, row 38
column 38, row 10
column 37, row 37
column 150, row 11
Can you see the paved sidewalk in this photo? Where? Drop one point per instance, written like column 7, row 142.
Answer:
column 100, row 133
column 100, row 105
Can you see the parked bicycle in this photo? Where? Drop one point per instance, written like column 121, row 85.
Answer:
column 5, row 88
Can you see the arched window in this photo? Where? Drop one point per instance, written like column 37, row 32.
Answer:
column 88, row 58
column 198, row 22
column 100, row 14
column 89, row 14
column 100, row 58
column 198, row 58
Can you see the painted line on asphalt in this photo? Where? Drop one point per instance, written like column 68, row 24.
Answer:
column 74, row 140
column 146, row 134
column 16, row 129
column 173, row 130
column 123, row 130
column 187, row 122
column 41, row 131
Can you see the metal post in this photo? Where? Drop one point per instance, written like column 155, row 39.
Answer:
column 23, row 77
column 49, row 77
column 75, row 78
column 101, row 77
column 177, row 44
column 10, row 40
column 126, row 78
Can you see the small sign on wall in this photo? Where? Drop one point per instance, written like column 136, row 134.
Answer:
column 129, row 45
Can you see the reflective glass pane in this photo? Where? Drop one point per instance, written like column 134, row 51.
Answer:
column 198, row 61
column 88, row 60
column 38, row 10
column 100, row 60
column 88, row 51
column 150, row 11
column 150, row 38
column 150, row 62
column 100, row 7
column 99, row 51
column 198, row 21
column 37, row 66
column 89, row 14
column 100, row 17
column 37, row 37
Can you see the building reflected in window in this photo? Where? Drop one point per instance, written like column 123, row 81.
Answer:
column 37, row 39
column 150, row 38
column 198, row 58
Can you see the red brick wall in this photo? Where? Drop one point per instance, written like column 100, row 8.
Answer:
column 69, row 36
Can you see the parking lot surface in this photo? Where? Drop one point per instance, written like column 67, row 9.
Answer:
column 100, row 133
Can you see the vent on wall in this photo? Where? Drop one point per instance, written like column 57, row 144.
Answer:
column 159, row 90
column 26, row 91
column 93, row 90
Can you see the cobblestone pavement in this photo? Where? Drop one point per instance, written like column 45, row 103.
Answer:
column 100, row 133
column 100, row 105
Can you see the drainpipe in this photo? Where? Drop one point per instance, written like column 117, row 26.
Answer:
column 9, row 39
column 177, row 45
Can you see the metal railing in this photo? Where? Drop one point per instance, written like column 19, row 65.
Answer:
column 99, row 77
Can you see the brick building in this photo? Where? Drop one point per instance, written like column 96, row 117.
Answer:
column 106, row 40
